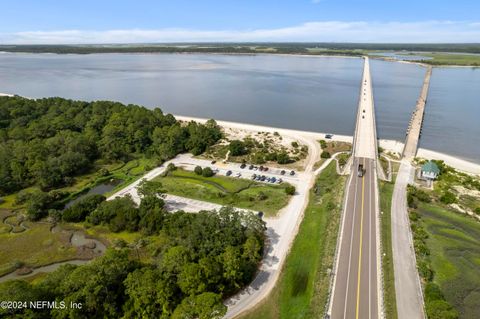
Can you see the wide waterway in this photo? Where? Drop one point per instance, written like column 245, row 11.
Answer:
column 307, row 93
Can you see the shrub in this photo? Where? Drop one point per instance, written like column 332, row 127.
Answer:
column 477, row 210
column 2, row 200
column 81, row 209
column 198, row 170
column 283, row 158
column 261, row 196
column 207, row 172
column 171, row 167
column 448, row 198
column 237, row 148
column 440, row 309
column 290, row 190
column 271, row 156
column 294, row 144
column 323, row 144
column 325, row 154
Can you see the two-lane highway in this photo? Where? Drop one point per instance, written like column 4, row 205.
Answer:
column 356, row 289
column 356, row 293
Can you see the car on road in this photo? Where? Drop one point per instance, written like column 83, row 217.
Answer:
column 282, row 172
column 328, row 136
column 228, row 173
column 250, row 167
column 243, row 166
column 292, row 173
column 361, row 170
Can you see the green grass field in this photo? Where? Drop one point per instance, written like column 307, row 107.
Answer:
column 390, row 303
column 303, row 286
column 454, row 242
column 237, row 192
column 453, row 59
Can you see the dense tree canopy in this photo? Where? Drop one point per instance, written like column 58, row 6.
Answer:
column 49, row 141
column 201, row 259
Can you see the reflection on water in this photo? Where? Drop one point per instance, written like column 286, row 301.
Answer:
column 307, row 93
column 100, row 189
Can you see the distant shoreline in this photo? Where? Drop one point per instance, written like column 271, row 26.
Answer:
column 295, row 54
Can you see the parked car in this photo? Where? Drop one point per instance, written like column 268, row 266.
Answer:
column 280, row 181
column 263, row 178
column 265, row 168
column 255, row 168
column 328, row 136
column 243, row 166
column 229, row 173
column 292, row 173
column 268, row 179
column 250, row 167
column 273, row 179
column 282, row 172
column 261, row 168
column 238, row 174
column 213, row 162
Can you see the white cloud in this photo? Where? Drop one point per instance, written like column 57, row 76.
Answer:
column 324, row 31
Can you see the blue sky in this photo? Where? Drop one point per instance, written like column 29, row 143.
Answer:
column 111, row 21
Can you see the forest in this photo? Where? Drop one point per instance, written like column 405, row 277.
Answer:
column 47, row 142
column 195, row 261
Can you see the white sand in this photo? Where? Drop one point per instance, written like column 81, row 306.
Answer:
column 389, row 145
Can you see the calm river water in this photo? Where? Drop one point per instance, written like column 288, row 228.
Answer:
column 307, row 93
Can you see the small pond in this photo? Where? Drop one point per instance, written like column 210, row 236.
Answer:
column 100, row 189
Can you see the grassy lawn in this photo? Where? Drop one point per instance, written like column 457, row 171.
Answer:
column 454, row 243
column 386, row 191
column 303, row 286
column 35, row 247
column 238, row 192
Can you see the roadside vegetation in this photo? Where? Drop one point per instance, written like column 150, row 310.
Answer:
column 304, row 283
column 447, row 242
column 390, row 303
column 331, row 147
column 195, row 261
column 232, row 191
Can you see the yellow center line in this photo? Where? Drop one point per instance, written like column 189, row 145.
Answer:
column 361, row 239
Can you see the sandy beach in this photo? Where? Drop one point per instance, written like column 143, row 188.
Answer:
column 389, row 145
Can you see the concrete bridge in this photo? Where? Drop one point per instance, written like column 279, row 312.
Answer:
column 357, row 278
column 414, row 129
column 408, row 289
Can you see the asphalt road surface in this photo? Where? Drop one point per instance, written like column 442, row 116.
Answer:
column 356, row 293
